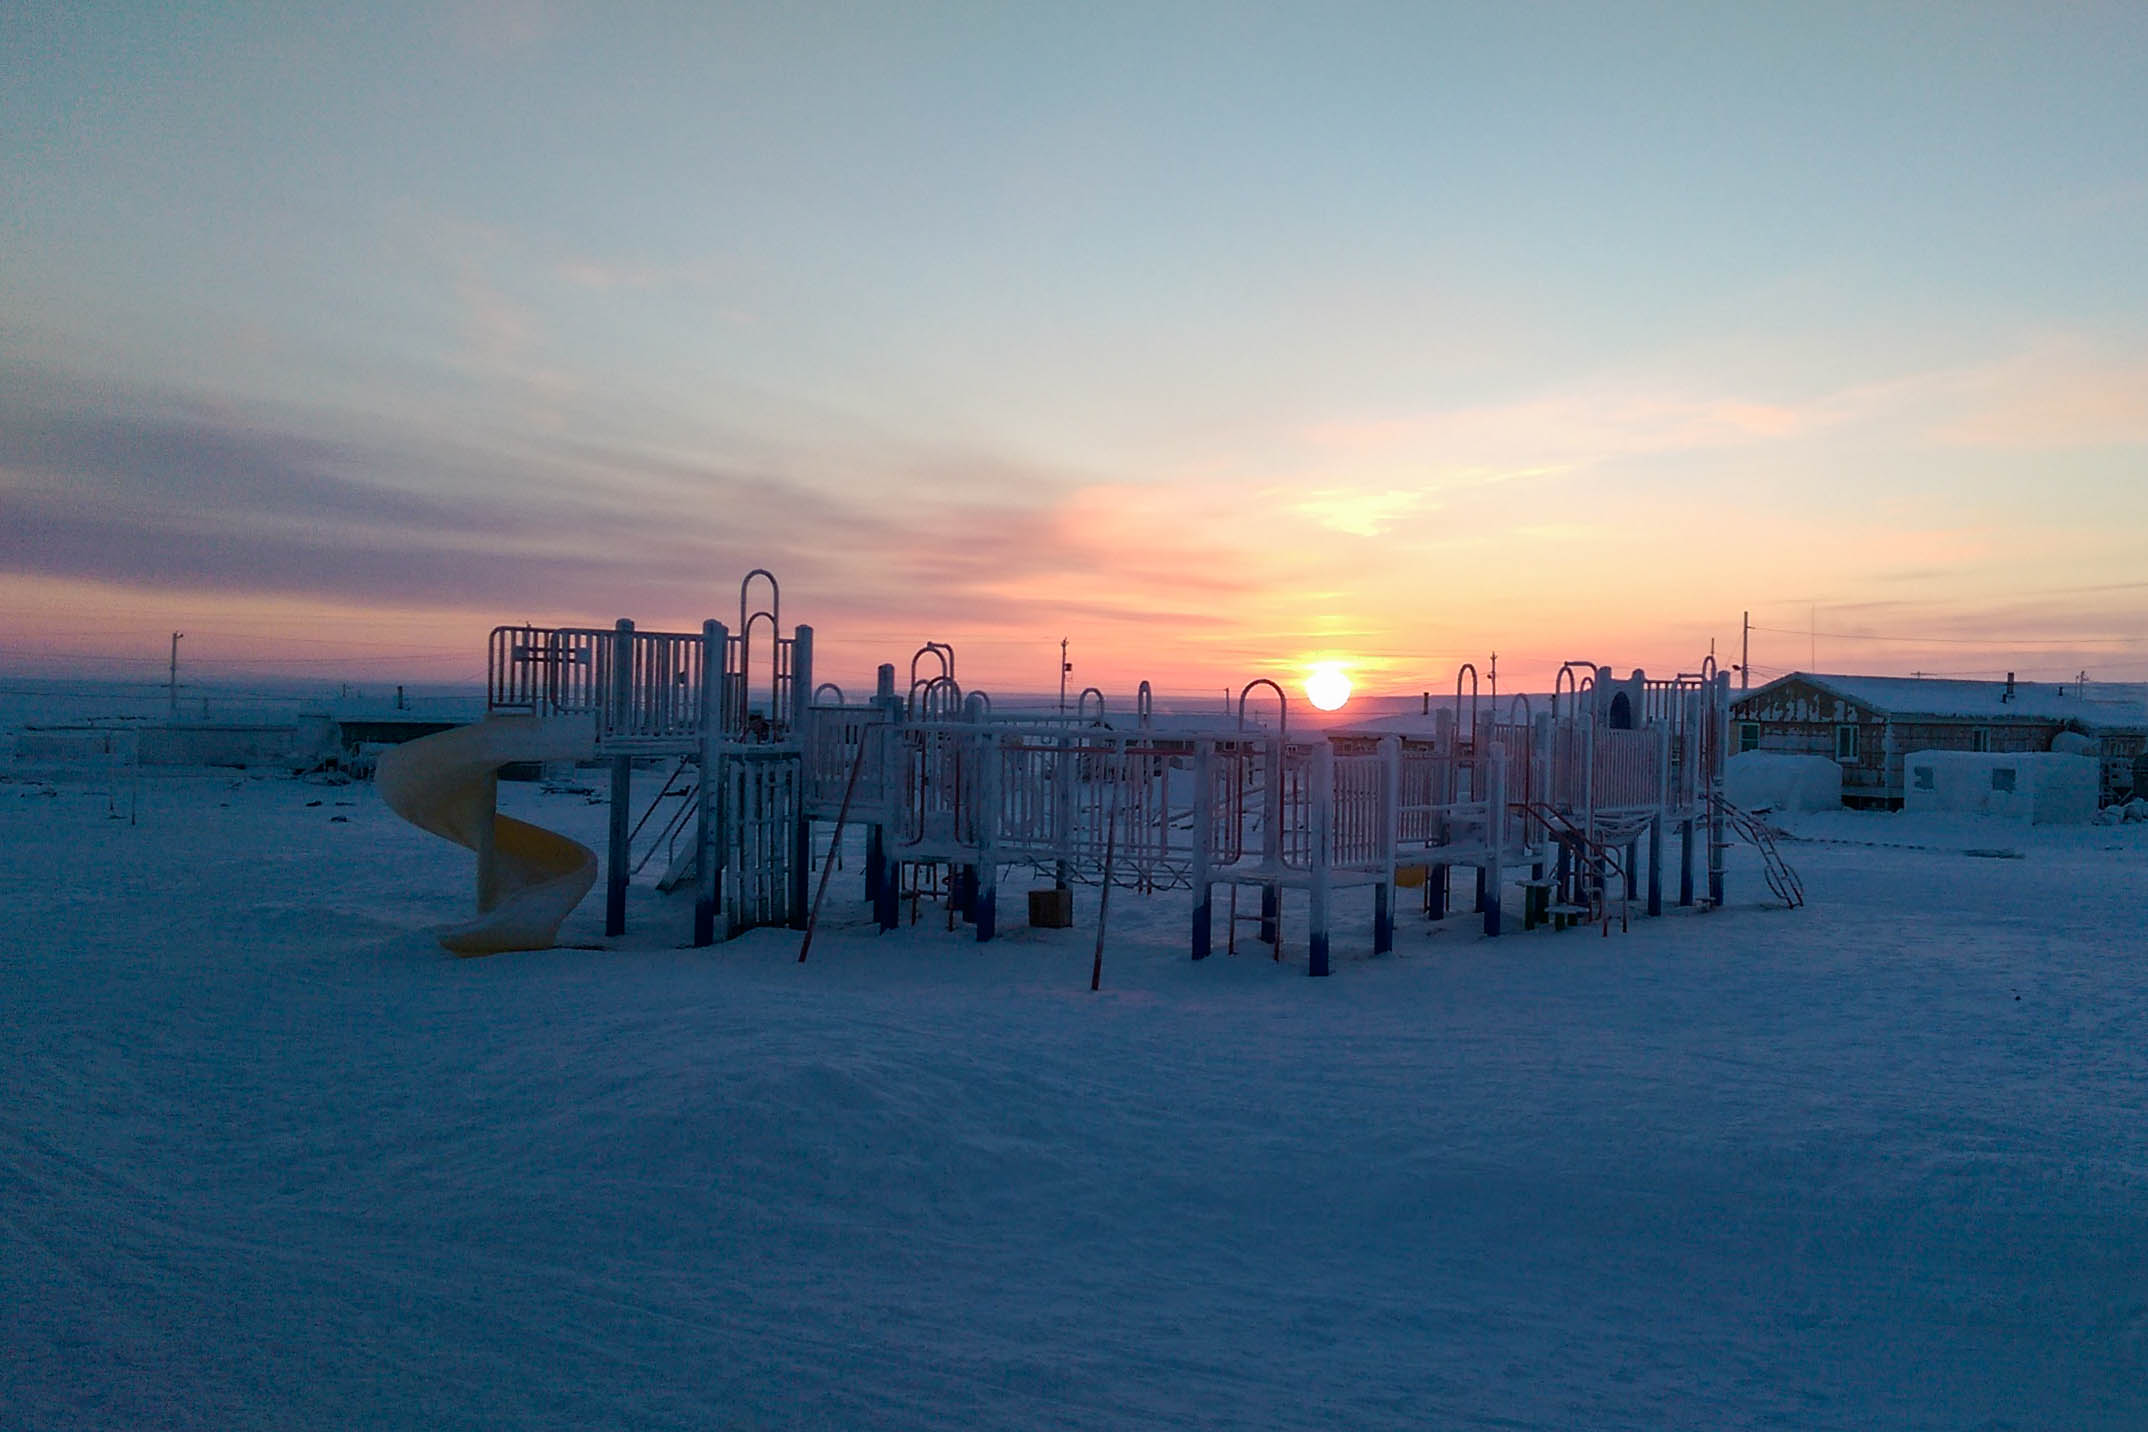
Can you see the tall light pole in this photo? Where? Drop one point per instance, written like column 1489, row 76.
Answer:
column 1065, row 666
column 175, row 674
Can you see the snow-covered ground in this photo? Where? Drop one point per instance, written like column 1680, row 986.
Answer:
column 269, row 1158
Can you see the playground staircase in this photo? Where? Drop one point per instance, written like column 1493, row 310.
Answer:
column 1750, row 828
column 1596, row 864
column 655, row 834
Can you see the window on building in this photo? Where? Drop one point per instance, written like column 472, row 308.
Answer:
column 1980, row 739
column 1922, row 777
column 2002, row 778
column 1748, row 735
column 1845, row 743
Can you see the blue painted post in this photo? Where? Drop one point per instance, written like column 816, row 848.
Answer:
column 1718, row 737
column 619, row 701
column 1666, row 787
column 1633, row 868
column 802, row 735
column 887, row 905
column 1543, row 742
column 708, row 843
column 984, row 890
column 1383, row 894
column 1204, row 838
column 1271, row 893
column 887, row 890
column 1436, row 892
column 1322, row 855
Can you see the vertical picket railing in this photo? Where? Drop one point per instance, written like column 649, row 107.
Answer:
column 1358, row 828
column 776, row 675
column 831, row 752
column 761, row 793
column 545, row 671
column 659, row 700
column 1626, row 767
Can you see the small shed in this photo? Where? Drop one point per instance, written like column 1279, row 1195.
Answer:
column 1773, row 780
column 2042, row 787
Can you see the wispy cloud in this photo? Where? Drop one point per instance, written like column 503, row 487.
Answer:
column 135, row 489
column 2054, row 393
column 1362, row 513
column 1564, row 429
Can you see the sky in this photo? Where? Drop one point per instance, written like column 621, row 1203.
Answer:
column 1215, row 339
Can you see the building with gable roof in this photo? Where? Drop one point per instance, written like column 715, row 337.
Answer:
column 1866, row 724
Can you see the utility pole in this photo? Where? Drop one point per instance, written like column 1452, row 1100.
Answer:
column 1745, row 656
column 1495, row 684
column 175, row 674
column 1065, row 666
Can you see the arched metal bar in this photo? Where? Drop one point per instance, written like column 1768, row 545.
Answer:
column 828, row 686
column 773, row 611
column 1468, row 668
column 745, row 664
column 1144, row 704
column 942, row 700
column 932, row 698
column 1282, row 703
column 940, row 652
column 1081, row 704
column 1520, row 702
column 1569, row 683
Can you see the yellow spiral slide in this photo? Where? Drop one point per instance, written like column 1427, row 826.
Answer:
column 529, row 879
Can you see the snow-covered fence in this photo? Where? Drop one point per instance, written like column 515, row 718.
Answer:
column 647, row 691
column 1627, row 774
column 545, row 671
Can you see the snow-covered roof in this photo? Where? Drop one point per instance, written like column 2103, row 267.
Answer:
column 2104, row 704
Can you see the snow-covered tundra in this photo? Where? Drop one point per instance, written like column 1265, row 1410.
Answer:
column 269, row 1158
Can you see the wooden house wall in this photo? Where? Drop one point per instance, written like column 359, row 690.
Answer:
column 1800, row 718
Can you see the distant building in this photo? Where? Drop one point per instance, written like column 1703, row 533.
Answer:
column 1868, row 723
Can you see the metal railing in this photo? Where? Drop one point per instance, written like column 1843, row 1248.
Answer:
column 545, row 671
column 643, row 689
column 659, row 692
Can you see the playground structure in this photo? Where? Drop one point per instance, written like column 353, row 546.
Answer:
column 952, row 798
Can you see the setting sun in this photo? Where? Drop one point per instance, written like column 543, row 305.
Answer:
column 1327, row 687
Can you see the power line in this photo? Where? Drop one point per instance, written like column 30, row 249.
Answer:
column 1998, row 641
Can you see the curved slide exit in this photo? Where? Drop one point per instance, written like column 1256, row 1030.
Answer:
column 529, row 879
